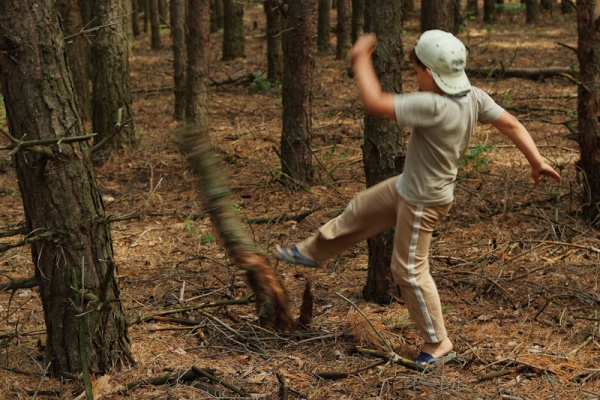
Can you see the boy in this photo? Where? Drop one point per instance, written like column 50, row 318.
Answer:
column 443, row 115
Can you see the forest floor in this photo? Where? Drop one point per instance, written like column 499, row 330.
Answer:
column 516, row 266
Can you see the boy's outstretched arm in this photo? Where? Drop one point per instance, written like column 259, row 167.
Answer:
column 375, row 101
column 518, row 134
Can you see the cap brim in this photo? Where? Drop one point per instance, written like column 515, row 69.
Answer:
column 452, row 84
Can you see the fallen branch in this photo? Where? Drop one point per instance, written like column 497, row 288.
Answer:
column 169, row 378
column 15, row 284
column 516, row 72
column 392, row 357
column 280, row 218
column 140, row 319
column 344, row 375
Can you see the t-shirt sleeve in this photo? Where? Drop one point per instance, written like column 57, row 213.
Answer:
column 415, row 109
column 489, row 110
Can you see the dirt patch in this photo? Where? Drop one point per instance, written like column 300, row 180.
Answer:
column 516, row 267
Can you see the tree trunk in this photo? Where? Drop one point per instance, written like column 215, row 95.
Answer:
column 358, row 19
column 324, row 25
column 532, row 11
column 135, row 17
column 589, row 105
column 489, row 11
column 274, row 41
column 111, row 96
column 77, row 55
column 178, row 15
column 198, row 46
column 343, row 29
column 383, row 151
column 163, row 11
column 439, row 14
column 75, row 268
column 299, row 63
column 154, row 25
column 233, row 30
column 216, row 19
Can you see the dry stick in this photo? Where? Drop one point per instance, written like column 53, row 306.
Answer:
column 140, row 319
column 344, row 375
column 581, row 346
column 392, row 357
column 216, row 380
column 188, row 375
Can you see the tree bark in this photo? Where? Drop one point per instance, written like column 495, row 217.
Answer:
column 275, row 25
column 343, row 29
column 77, row 55
column 324, row 25
column 588, row 26
column 358, row 19
column 299, row 63
column 178, row 16
column 111, row 98
column 489, row 11
column 532, row 11
column 439, row 14
column 75, row 268
column 233, row 30
column 383, row 150
column 216, row 19
column 198, row 46
column 154, row 25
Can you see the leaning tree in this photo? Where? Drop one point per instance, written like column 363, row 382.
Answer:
column 67, row 226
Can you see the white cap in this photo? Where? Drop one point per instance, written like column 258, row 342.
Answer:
column 446, row 58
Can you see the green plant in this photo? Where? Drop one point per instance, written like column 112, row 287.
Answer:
column 475, row 158
column 207, row 238
column 262, row 84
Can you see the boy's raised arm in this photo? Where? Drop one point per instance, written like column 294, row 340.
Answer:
column 375, row 101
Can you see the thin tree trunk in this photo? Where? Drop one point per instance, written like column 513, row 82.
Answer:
column 343, row 29
column 154, row 25
column 324, row 25
column 275, row 23
column 383, row 151
column 77, row 277
column 178, row 16
column 358, row 19
column 198, row 46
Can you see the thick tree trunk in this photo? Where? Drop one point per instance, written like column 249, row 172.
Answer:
column 233, row 30
column 439, row 14
column 178, row 15
column 77, row 55
column 274, row 41
column 588, row 24
column 299, row 64
column 75, row 267
column 383, row 151
column 112, row 101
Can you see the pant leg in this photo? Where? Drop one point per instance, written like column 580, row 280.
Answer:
column 410, row 267
column 372, row 211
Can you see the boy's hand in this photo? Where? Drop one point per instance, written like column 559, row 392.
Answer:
column 364, row 46
column 544, row 170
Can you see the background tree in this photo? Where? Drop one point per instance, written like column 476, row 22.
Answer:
column 489, row 11
column 588, row 109
column 439, row 14
column 275, row 24
column 383, row 150
column 73, row 258
column 532, row 11
column 358, row 19
column 77, row 55
column 111, row 87
column 233, row 29
column 299, row 48
column 163, row 11
column 198, row 46
column 216, row 15
column 343, row 29
column 178, row 33
column 324, row 25
column 135, row 17
column 154, row 24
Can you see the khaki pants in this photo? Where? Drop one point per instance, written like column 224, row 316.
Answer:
column 373, row 211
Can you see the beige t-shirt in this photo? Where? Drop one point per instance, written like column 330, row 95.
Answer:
column 442, row 128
